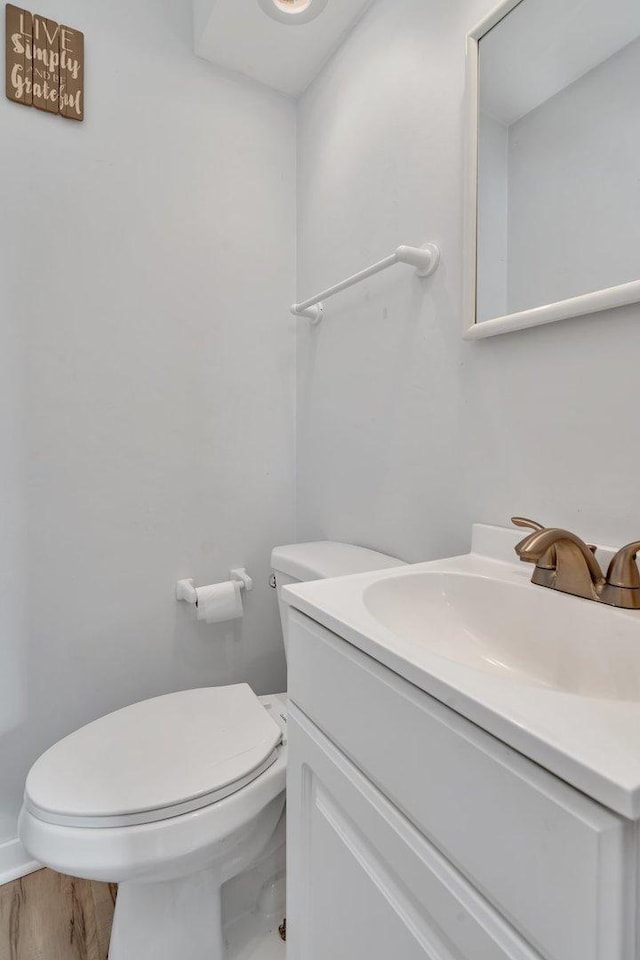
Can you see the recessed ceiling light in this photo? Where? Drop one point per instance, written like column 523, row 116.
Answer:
column 293, row 11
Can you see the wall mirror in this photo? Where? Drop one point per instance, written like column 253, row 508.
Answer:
column 553, row 180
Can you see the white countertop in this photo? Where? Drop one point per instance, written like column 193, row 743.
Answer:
column 593, row 744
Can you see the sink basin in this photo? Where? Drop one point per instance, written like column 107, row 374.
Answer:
column 514, row 631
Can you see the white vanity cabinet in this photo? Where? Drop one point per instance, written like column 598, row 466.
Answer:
column 414, row 834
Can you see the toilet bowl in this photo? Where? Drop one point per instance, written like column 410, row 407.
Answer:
column 173, row 797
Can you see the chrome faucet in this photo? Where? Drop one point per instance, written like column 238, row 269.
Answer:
column 566, row 563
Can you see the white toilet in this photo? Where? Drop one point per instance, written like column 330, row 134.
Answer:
column 175, row 796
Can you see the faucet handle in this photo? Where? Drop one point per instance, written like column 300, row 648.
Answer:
column 523, row 522
column 623, row 569
column 549, row 560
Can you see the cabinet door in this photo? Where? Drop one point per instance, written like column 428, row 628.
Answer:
column 363, row 884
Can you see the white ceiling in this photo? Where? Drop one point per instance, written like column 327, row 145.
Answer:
column 238, row 35
column 544, row 45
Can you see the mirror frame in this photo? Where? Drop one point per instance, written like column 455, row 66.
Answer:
column 605, row 299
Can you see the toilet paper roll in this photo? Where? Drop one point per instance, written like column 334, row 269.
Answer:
column 219, row 602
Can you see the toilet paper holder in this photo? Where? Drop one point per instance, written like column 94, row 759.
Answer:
column 186, row 589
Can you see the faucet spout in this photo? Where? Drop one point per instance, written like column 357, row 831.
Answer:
column 577, row 570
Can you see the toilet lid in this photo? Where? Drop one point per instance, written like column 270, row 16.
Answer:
column 155, row 759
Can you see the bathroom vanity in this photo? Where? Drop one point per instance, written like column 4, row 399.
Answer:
column 448, row 801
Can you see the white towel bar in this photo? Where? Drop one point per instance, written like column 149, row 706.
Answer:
column 424, row 259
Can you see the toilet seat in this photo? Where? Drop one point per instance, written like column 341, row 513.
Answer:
column 155, row 760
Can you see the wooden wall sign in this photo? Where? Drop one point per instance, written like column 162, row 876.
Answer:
column 44, row 64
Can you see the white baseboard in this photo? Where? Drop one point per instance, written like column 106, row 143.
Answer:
column 15, row 861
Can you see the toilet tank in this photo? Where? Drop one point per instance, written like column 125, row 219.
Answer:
column 303, row 562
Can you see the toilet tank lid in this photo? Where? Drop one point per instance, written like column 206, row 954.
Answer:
column 326, row 558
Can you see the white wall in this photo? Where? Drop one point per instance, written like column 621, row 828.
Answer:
column 146, row 379
column 406, row 433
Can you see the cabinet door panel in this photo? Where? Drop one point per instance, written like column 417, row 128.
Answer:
column 362, row 883
column 553, row 862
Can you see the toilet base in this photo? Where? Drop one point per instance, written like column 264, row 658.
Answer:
column 168, row 920
column 236, row 899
